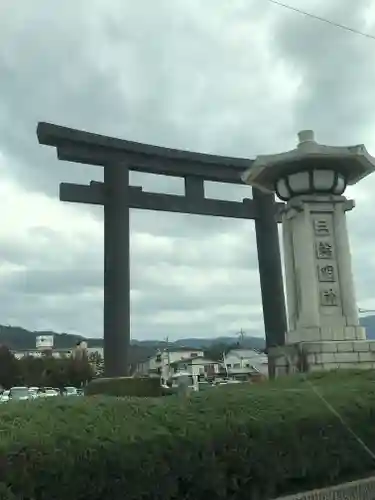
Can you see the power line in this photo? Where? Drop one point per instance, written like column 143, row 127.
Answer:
column 322, row 19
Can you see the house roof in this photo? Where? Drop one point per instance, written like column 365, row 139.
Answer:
column 170, row 349
column 186, row 361
column 245, row 353
column 185, row 349
column 242, row 371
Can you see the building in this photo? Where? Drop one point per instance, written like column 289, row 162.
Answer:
column 37, row 353
column 56, row 353
column 160, row 363
column 199, row 365
column 239, row 363
column 95, row 351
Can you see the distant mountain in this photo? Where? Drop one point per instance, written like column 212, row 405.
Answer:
column 18, row 338
column 247, row 342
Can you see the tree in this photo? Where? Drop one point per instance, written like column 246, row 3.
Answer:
column 97, row 363
column 49, row 371
column 79, row 371
column 216, row 351
column 55, row 372
column 31, row 370
column 9, row 368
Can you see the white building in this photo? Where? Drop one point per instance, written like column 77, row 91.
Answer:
column 160, row 363
column 98, row 351
column 37, row 353
column 245, row 362
column 56, row 353
column 237, row 363
column 198, row 365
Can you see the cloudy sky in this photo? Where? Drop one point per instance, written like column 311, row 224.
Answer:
column 231, row 77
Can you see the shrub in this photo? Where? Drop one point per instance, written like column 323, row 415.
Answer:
column 169, row 391
column 257, row 442
column 6, row 493
column 124, row 386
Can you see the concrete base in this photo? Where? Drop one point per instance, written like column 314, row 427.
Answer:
column 326, row 333
column 307, row 357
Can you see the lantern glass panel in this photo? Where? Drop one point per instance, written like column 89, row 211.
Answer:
column 282, row 190
column 340, row 186
column 323, row 180
column 300, row 182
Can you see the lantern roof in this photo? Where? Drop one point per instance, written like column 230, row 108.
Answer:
column 353, row 162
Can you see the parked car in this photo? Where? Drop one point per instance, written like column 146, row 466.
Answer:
column 49, row 393
column 4, row 396
column 19, row 394
column 33, row 391
column 70, row 391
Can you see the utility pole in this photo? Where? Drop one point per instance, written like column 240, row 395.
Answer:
column 167, row 371
column 241, row 335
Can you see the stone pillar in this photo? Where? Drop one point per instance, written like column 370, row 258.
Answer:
column 323, row 331
column 319, row 280
column 116, row 271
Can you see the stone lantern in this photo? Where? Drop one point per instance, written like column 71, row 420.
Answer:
column 323, row 325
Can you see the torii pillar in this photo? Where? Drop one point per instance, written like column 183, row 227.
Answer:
column 116, row 269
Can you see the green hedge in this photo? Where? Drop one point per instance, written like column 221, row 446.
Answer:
column 254, row 442
column 124, row 386
column 6, row 493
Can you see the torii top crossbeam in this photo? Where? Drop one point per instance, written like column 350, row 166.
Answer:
column 88, row 148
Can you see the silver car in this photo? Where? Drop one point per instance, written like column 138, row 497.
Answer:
column 33, row 392
column 4, row 397
column 19, row 394
column 49, row 393
column 70, row 391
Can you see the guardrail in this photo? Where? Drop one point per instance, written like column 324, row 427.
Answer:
column 363, row 489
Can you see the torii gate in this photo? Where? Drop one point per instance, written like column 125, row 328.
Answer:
column 118, row 157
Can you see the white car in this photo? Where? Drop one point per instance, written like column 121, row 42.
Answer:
column 70, row 391
column 4, row 397
column 19, row 394
column 50, row 393
column 33, row 391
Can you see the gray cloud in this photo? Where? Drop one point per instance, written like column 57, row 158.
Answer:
column 237, row 78
column 334, row 68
